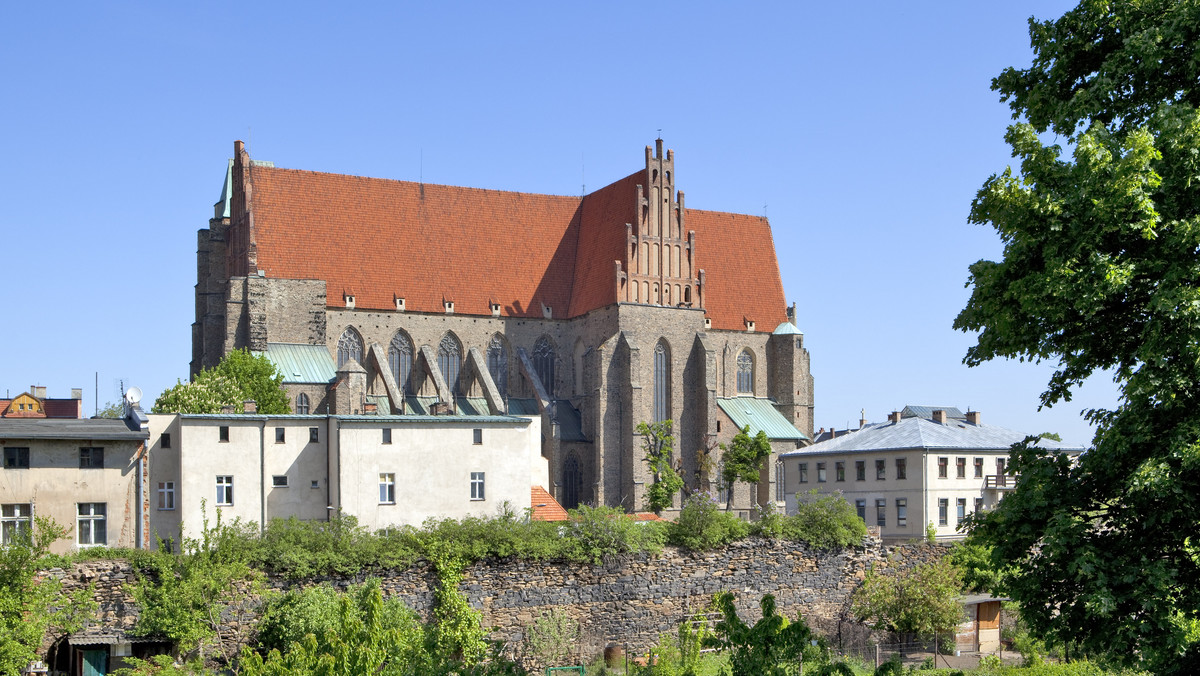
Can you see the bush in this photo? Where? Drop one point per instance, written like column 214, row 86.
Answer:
column 597, row 532
column 825, row 522
column 702, row 525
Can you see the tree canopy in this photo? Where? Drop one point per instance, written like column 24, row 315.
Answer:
column 743, row 459
column 1101, row 274
column 239, row 377
column 921, row 600
column 657, row 445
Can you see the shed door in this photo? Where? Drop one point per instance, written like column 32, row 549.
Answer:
column 989, row 615
column 95, row 662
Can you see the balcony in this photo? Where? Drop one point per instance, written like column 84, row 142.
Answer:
column 1001, row 482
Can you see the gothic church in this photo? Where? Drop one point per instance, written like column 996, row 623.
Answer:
column 596, row 313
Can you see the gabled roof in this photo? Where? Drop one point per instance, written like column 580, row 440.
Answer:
column 545, row 507
column 380, row 240
column 759, row 414
column 919, row 433
column 302, row 363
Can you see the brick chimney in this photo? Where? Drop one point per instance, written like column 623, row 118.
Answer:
column 249, row 406
column 973, row 417
column 939, row 417
column 894, row 417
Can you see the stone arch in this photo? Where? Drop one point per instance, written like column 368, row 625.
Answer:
column 543, row 363
column 497, row 362
column 450, row 360
column 349, row 346
column 400, row 360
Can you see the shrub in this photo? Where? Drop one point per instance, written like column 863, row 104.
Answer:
column 597, row 532
column 825, row 522
column 553, row 637
column 702, row 525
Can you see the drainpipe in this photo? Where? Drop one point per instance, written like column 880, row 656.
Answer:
column 262, row 476
column 139, row 536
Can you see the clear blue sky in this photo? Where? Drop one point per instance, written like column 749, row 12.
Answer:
column 862, row 130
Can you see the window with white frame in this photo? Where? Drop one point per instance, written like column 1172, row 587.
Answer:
column 14, row 522
column 943, row 509
column 92, row 523
column 477, row 485
column 166, row 495
column 961, row 505
column 387, row 489
column 225, row 490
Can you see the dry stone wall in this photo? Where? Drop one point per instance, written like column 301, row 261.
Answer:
column 627, row 600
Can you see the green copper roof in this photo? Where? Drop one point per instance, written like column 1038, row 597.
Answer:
column 466, row 406
column 302, row 363
column 787, row 329
column 759, row 414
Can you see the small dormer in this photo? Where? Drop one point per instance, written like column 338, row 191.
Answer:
column 349, row 299
column 25, row 405
column 399, row 304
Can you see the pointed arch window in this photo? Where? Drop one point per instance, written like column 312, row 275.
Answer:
column 302, row 404
column 662, row 383
column 572, row 482
column 543, row 363
column 497, row 363
column 350, row 346
column 400, row 356
column 745, row 372
column 450, row 360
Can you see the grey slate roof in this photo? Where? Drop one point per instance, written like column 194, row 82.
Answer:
column 105, row 429
column 922, row 433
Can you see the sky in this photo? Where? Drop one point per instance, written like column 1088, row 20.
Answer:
column 861, row 130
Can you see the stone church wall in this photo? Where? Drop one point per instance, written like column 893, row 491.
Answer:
column 629, row 600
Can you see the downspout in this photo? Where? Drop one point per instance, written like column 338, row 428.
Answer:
column 262, row 476
column 139, row 536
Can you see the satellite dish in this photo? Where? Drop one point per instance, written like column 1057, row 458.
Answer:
column 133, row 395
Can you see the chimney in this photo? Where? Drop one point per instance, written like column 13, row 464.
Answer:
column 939, row 417
column 77, row 393
column 38, row 391
column 249, row 406
column 894, row 417
column 862, row 419
column 973, row 417
column 370, row 408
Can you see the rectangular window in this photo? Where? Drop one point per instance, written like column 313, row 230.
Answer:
column 901, row 468
column 91, row 457
column 14, row 522
column 860, row 470
column 780, row 484
column 901, row 511
column 225, row 490
column 314, row 435
column 314, row 484
column 978, row 468
column 477, row 436
column 166, row 495
column 820, row 472
column 279, row 481
column 880, row 470
column 802, row 469
column 279, row 434
column 840, row 470
column 961, row 504
column 881, row 512
column 861, row 506
column 16, row 457
column 943, row 509
column 223, row 434
column 92, row 527
column 960, row 468
column 476, row 485
column 943, row 467
column 166, row 440
column 387, row 435
column 387, row 489
column 978, row 505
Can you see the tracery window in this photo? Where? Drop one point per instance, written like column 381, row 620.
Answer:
column 662, row 383
column 497, row 363
column 350, row 346
column 745, row 372
column 572, row 485
column 543, row 363
column 450, row 360
column 400, row 356
column 302, row 404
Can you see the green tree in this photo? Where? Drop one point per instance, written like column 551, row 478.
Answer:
column 769, row 648
column 113, row 409
column 1099, row 274
column 743, row 459
column 921, row 600
column 658, row 444
column 238, row 377
column 31, row 603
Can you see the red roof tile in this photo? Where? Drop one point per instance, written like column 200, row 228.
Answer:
column 545, row 507
column 380, row 239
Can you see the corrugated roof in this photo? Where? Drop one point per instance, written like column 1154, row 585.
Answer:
column 69, row 428
column 759, row 414
column 921, row 433
column 302, row 363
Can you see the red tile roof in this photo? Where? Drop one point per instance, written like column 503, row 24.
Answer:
column 545, row 507
column 379, row 240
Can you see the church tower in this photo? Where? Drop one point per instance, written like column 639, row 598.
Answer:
column 660, row 251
